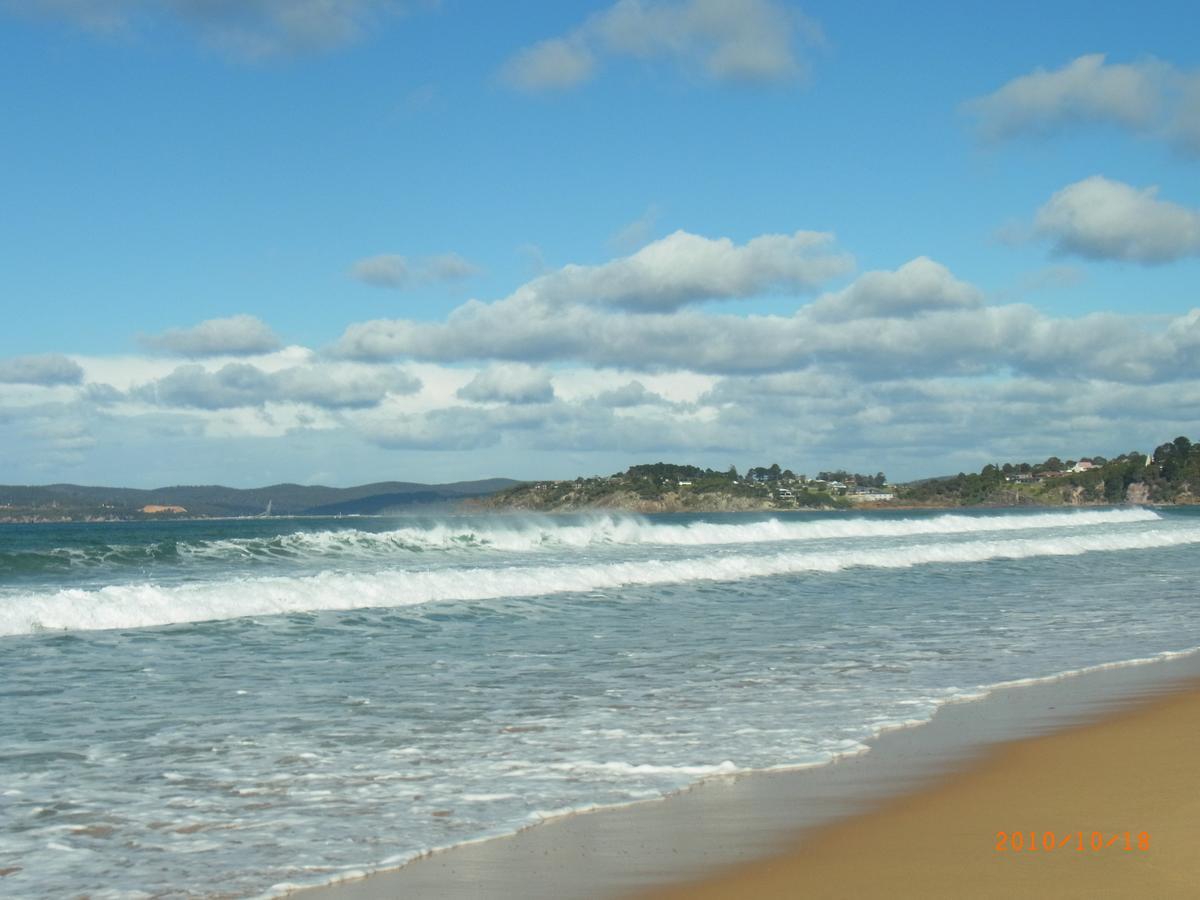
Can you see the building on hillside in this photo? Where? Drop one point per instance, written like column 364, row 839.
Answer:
column 1083, row 465
column 871, row 495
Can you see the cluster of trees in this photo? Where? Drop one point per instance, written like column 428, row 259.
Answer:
column 876, row 480
column 770, row 473
column 662, row 472
column 1171, row 473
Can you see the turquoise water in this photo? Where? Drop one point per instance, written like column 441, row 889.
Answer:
column 229, row 707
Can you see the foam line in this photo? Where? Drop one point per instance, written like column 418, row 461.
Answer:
column 147, row 605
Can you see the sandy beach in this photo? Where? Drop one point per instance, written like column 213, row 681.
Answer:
column 1108, row 751
column 1118, row 801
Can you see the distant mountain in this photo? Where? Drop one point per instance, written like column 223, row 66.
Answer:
column 75, row 501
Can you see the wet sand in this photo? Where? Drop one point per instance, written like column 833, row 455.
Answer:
column 1111, row 809
column 1111, row 750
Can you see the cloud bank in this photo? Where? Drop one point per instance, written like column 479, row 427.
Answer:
column 621, row 360
column 46, row 370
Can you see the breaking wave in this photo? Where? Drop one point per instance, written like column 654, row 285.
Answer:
column 538, row 533
column 148, row 605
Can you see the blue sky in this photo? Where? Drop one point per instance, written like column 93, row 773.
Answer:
column 328, row 182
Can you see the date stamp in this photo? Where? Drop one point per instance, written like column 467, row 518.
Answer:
column 1079, row 841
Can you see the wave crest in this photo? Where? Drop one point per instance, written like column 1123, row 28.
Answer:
column 148, row 605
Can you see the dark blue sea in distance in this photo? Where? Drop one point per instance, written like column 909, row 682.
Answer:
column 230, row 707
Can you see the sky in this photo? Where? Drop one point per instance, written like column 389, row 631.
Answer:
column 345, row 241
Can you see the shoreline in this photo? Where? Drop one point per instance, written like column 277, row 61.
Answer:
column 735, row 822
column 1107, row 808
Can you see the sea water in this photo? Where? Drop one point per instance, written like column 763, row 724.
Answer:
column 226, row 708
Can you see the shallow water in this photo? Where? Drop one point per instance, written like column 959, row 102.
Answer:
column 198, row 708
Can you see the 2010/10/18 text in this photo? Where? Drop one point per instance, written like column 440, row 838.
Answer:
column 1031, row 841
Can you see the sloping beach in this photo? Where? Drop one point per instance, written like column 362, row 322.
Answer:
column 1087, row 758
column 1110, row 809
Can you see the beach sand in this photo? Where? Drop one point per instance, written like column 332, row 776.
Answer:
column 1112, row 750
column 1136, row 772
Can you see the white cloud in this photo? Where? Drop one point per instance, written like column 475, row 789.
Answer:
column 1149, row 97
column 508, row 384
column 685, row 268
column 632, row 394
column 1086, row 90
column 919, row 286
column 388, row 270
column 243, row 385
column 1099, row 218
column 449, row 267
column 917, row 321
column 727, row 40
column 240, row 335
column 46, row 370
column 391, row 270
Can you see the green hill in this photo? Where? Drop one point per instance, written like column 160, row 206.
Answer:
column 73, row 501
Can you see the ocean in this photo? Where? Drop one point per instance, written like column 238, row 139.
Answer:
column 228, row 708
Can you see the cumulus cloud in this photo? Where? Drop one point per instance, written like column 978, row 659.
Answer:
column 727, row 40
column 685, row 268
column 917, row 321
column 391, row 270
column 240, row 335
column 632, row 394
column 247, row 29
column 508, row 384
column 46, row 370
column 243, row 385
column 1099, row 218
column 556, row 427
column 919, row 286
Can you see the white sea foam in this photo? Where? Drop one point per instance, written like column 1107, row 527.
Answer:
column 147, row 605
column 526, row 534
